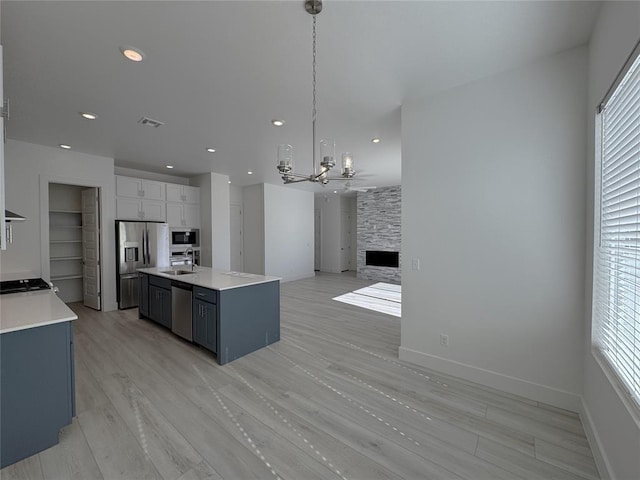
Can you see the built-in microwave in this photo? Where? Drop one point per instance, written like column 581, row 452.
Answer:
column 184, row 237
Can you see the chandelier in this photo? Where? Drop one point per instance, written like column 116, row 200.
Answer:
column 327, row 147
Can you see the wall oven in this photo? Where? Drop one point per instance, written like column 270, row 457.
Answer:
column 184, row 238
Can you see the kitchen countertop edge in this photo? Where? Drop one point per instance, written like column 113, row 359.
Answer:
column 21, row 311
column 206, row 277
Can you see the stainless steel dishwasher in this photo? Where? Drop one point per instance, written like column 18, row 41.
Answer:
column 181, row 320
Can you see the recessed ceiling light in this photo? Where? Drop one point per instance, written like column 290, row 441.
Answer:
column 66, row 147
column 169, row 166
column 335, row 191
column 249, row 172
column 229, row 182
column 211, row 150
column 88, row 115
column 375, row 140
column 132, row 53
column 277, row 123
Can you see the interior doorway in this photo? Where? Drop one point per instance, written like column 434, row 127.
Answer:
column 74, row 243
column 345, row 240
column 317, row 243
column 237, row 238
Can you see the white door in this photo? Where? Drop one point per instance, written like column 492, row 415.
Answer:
column 345, row 240
column 237, row 259
column 3, row 231
column 317, row 244
column 91, row 248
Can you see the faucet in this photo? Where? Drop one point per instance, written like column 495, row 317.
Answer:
column 193, row 258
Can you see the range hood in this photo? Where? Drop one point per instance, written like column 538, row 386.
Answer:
column 13, row 217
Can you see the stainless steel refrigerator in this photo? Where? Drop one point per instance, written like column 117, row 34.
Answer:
column 139, row 245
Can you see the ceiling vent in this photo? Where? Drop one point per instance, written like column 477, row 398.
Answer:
column 150, row 122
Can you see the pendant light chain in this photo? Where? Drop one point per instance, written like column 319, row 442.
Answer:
column 320, row 172
column 313, row 110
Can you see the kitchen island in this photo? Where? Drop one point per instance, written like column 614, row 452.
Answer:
column 230, row 314
column 37, row 385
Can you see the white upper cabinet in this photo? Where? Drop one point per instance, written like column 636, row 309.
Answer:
column 183, row 215
column 139, row 188
column 183, row 193
column 143, row 210
column 148, row 200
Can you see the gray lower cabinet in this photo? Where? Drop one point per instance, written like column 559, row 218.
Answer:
column 143, row 295
column 230, row 323
column 205, row 324
column 160, row 305
column 37, row 389
column 248, row 319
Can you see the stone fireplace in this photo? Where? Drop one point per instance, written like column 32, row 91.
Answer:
column 379, row 234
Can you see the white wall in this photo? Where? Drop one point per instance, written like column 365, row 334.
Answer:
column 206, row 218
column 28, row 170
column 253, row 222
column 235, row 195
column 288, row 234
column 611, row 425
column 278, row 231
column 215, row 230
column 353, row 210
column 330, row 206
column 221, row 226
column 493, row 206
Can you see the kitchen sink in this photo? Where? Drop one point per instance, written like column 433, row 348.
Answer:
column 177, row 272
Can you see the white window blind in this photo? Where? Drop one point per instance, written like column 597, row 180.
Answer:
column 616, row 295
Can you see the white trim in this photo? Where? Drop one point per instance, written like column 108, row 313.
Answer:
column 601, row 459
column 617, row 385
column 45, row 180
column 297, row 277
column 534, row 391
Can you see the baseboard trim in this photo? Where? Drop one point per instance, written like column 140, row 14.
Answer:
column 108, row 307
column 293, row 278
column 602, row 462
column 524, row 388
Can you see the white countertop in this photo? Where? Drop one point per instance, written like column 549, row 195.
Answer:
column 213, row 279
column 19, row 311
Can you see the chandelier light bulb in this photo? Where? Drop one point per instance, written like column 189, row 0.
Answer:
column 347, row 165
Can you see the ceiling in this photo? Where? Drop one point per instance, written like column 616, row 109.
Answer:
column 216, row 73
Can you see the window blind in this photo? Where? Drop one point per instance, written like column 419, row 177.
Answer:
column 616, row 295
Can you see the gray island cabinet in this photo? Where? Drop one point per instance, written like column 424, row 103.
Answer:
column 232, row 313
column 37, row 389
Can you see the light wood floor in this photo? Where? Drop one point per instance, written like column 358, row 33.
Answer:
column 330, row 400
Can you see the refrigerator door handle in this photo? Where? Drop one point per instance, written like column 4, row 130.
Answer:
column 144, row 247
column 148, row 247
